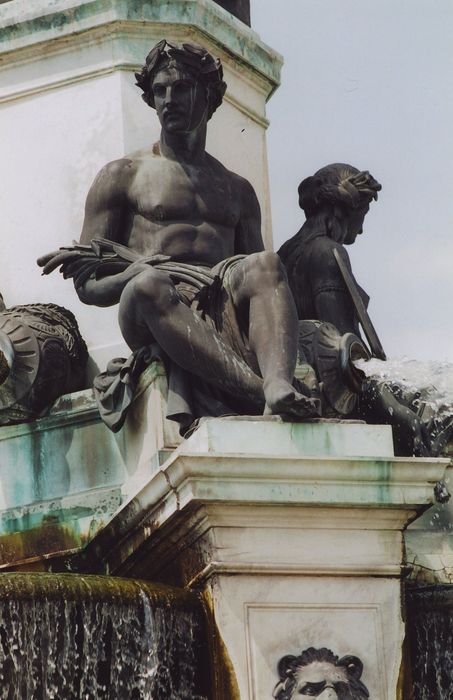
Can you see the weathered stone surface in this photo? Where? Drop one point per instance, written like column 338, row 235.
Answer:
column 429, row 542
column 320, row 438
column 292, row 549
column 64, row 476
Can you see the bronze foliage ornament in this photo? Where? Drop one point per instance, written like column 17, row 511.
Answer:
column 42, row 357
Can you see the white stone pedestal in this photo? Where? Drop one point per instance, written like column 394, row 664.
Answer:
column 294, row 533
column 68, row 105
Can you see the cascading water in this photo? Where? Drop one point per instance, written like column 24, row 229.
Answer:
column 429, row 609
column 430, row 635
column 421, row 407
column 433, row 380
column 68, row 637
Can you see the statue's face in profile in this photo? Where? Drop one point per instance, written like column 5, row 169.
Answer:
column 355, row 221
column 321, row 680
column 180, row 100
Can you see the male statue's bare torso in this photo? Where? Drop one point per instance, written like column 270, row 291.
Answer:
column 176, row 209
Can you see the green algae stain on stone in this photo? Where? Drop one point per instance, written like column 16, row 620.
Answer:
column 32, row 545
column 384, row 478
column 203, row 15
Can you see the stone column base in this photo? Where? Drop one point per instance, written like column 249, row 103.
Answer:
column 294, row 533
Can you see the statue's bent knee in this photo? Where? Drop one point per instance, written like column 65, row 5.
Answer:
column 266, row 264
column 151, row 288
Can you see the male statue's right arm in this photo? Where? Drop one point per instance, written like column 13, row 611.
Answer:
column 105, row 213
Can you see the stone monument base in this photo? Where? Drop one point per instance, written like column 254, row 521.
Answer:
column 293, row 532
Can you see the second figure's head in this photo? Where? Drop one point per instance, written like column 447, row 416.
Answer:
column 341, row 194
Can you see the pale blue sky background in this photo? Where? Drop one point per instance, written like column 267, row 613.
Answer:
column 371, row 83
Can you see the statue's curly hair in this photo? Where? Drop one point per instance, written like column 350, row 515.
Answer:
column 340, row 184
column 288, row 666
column 194, row 59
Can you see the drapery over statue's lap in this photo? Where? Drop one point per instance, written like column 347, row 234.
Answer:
column 203, row 289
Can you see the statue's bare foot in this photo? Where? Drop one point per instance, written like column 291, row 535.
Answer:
column 283, row 399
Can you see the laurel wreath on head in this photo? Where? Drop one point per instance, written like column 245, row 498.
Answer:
column 195, row 58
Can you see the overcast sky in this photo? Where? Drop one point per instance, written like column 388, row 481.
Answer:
column 370, row 83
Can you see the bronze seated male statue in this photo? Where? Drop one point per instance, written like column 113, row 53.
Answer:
column 174, row 238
